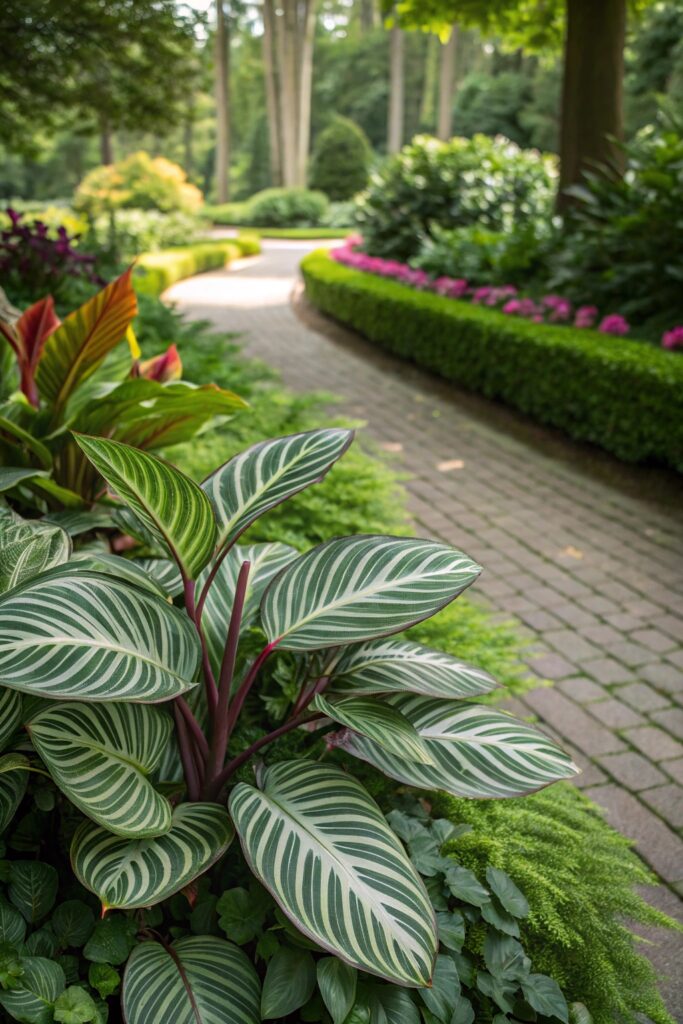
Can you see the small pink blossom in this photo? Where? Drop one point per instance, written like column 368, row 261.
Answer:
column 585, row 316
column 615, row 323
column 561, row 308
column 673, row 338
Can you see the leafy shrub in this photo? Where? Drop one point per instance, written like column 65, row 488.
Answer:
column 138, row 231
column 286, row 207
column 341, row 160
column 139, row 181
column 156, row 271
column 340, row 215
column 625, row 396
column 624, row 236
column 486, row 257
column 489, row 182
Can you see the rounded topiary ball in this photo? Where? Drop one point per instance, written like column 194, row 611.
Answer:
column 341, row 160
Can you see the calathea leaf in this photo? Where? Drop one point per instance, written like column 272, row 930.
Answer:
column 28, row 549
column 199, row 979
column 169, row 504
column 164, row 572
column 72, row 923
column 32, row 888
column 288, row 984
column 361, row 587
column 477, row 752
column 72, row 634
column 120, row 568
column 13, row 782
column 320, row 844
column 128, row 874
column 337, row 983
column 100, row 756
column 378, row 722
column 12, row 476
column 76, row 522
column 10, row 715
column 268, row 473
column 42, row 981
column 396, row 666
column 12, row 925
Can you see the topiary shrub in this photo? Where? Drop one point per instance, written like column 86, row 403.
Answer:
column 139, row 181
column 285, row 207
column 341, row 160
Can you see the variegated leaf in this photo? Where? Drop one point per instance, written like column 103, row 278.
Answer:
column 74, row 634
column 319, row 843
column 169, row 504
column 28, row 549
column 164, row 572
column 131, row 873
column 101, row 755
column 10, row 715
column 76, row 521
column 41, row 984
column 268, row 473
column 199, row 979
column 12, row 476
column 379, row 722
column 477, row 752
column 397, row 666
column 124, row 569
column 357, row 588
column 82, row 341
column 13, row 781
column 266, row 560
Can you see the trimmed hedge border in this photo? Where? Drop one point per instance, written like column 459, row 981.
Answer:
column 623, row 395
column 157, row 271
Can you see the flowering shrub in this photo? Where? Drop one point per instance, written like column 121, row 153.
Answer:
column 138, row 182
column 673, row 338
column 614, row 324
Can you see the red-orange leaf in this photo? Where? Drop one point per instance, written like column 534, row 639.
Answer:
column 35, row 325
column 164, row 367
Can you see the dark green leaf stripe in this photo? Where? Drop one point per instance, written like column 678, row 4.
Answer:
column 357, row 588
column 320, row 844
column 477, row 752
column 13, row 782
column 74, row 634
column 28, row 549
column 100, row 755
column 198, row 980
column 42, row 982
column 395, row 666
column 164, row 572
column 266, row 560
column 269, row 472
column 171, row 505
column 121, row 569
column 379, row 722
column 10, row 715
column 128, row 874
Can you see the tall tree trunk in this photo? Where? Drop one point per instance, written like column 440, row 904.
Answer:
column 396, row 91
column 444, row 128
column 287, row 49
column 222, row 70
column 592, row 92
column 429, row 83
column 272, row 90
column 305, row 66
column 106, row 144
column 368, row 15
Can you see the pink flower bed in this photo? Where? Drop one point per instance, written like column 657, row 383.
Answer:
column 551, row 309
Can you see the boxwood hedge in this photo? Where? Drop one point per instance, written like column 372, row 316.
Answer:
column 623, row 395
column 156, row 271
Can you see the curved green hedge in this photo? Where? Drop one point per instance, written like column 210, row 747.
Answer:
column 156, row 271
column 625, row 396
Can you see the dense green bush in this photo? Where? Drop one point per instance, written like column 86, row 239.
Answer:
column 485, row 257
column 286, row 207
column 139, row 181
column 156, row 271
column 341, row 160
column 483, row 181
column 623, row 395
column 136, row 231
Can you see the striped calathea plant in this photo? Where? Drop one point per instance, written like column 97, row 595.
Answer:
column 136, row 685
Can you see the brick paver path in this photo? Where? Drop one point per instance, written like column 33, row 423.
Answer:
column 586, row 553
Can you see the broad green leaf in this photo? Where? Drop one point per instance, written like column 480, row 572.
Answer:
column 10, row 967
column 104, row 979
column 396, row 666
column 12, row 476
column 75, row 1006
column 477, row 752
column 41, row 943
column 10, row 715
column 100, row 756
column 440, row 998
column 242, row 913
column 171, row 505
column 73, row 634
column 512, row 899
column 33, row 888
column 197, row 980
column 320, row 844
column 337, row 983
column 41, row 984
column 390, row 1005
column 288, row 984
column 12, row 925
column 112, row 940
column 361, row 587
column 545, row 996
column 266, row 560
column 164, row 572
column 82, row 341
column 72, row 923
column 13, row 782
column 378, row 722
column 451, row 927
column 268, row 473
column 504, row 957
column 28, row 549
column 76, row 521
column 15, row 435
column 119, row 568
column 129, row 874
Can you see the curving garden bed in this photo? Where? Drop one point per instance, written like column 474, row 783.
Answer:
column 157, row 271
column 623, row 395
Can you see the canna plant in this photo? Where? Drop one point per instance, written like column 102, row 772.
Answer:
column 85, row 374
column 135, row 684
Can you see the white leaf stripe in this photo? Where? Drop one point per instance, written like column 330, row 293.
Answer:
column 100, row 755
column 165, row 986
column 477, row 752
column 394, row 666
column 379, row 722
column 171, row 505
column 164, row 572
column 322, row 847
column 129, row 874
column 42, row 982
column 266, row 560
column 74, row 634
column 269, row 472
column 121, row 569
column 26, row 550
column 358, row 588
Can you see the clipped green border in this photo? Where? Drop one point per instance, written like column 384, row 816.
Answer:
column 156, row 271
column 624, row 395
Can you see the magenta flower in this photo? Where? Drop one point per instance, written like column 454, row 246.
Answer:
column 615, row 323
column 585, row 316
column 673, row 338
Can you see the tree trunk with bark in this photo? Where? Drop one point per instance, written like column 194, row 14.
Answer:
column 368, row 15
column 288, row 57
column 272, row 91
column 592, row 91
column 222, row 88
column 444, row 128
column 396, row 91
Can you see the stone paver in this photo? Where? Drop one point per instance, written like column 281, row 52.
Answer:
column 588, row 554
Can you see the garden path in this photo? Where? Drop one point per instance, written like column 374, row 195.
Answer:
column 585, row 552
